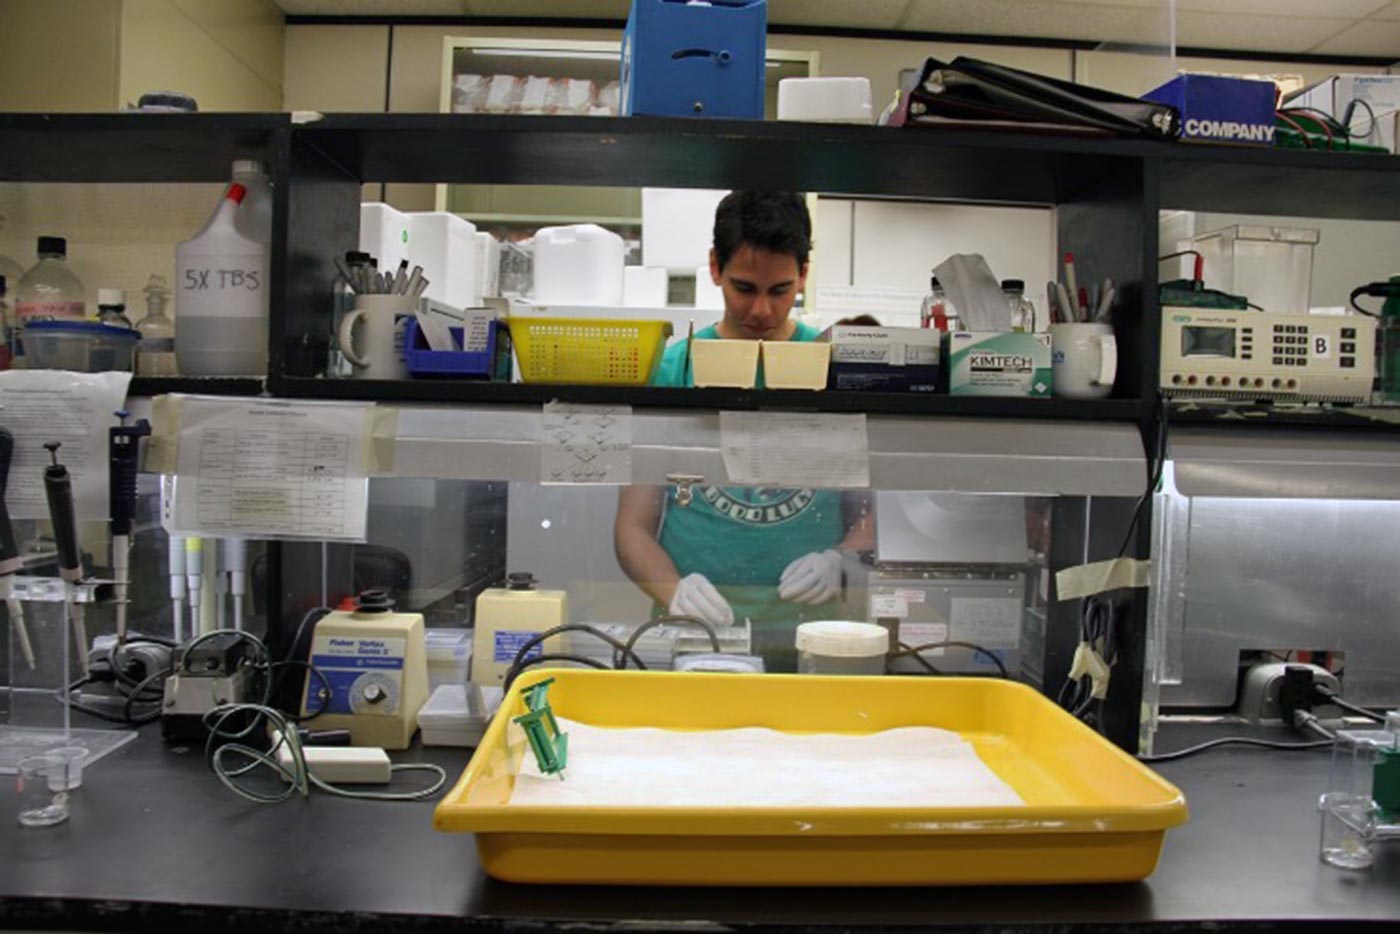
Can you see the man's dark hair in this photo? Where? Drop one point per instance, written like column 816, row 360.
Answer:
column 776, row 221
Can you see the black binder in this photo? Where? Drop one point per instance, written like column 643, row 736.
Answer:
column 970, row 92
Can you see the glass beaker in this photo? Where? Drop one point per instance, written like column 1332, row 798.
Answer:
column 1348, row 830
column 43, row 790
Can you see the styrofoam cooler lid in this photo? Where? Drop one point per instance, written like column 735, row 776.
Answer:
column 843, row 639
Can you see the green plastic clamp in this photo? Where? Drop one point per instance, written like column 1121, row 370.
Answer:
column 551, row 748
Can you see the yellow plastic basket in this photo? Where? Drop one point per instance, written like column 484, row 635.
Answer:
column 587, row 350
column 1092, row 813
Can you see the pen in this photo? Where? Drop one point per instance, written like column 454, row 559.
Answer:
column 685, row 368
column 1105, row 304
column 1066, row 306
column 411, row 287
column 1070, row 283
column 401, row 278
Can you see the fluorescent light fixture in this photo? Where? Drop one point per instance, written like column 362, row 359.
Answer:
column 550, row 53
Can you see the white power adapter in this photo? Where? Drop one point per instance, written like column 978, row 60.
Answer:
column 339, row 765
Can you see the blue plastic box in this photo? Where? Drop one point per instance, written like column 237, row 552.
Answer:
column 470, row 364
column 682, row 59
column 1237, row 111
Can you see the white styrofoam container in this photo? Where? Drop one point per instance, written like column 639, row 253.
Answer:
column 487, row 270
column 825, row 100
column 578, row 264
column 444, row 244
column 678, row 226
column 1380, row 92
column 644, row 287
column 384, row 234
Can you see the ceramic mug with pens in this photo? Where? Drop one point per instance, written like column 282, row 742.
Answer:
column 1084, row 359
column 371, row 335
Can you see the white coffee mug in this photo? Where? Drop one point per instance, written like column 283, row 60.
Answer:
column 1084, row 359
column 371, row 335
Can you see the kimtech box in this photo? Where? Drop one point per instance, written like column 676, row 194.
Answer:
column 881, row 359
column 998, row 363
column 1220, row 110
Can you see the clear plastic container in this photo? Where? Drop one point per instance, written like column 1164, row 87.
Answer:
column 49, row 291
column 80, row 346
column 841, row 647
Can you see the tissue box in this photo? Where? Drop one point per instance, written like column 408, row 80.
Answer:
column 1220, row 110
column 1380, row 92
column 883, row 359
column 998, row 363
column 694, row 59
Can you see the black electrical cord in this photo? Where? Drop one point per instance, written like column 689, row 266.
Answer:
column 518, row 666
column 913, row 651
column 1373, row 290
column 1156, row 467
column 312, row 671
column 620, row 659
column 1098, row 627
column 908, row 652
column 145, row 682
column 1332, row 698
column 575, row 627
column 1232, row 741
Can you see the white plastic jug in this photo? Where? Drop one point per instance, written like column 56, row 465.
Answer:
column 254, row 216
column 578, row 265
column 221, row 298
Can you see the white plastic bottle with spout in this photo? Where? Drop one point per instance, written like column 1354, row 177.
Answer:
column 221, row 298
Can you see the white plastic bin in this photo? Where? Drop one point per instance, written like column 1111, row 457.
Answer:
column 445, row 246
column 580, row 264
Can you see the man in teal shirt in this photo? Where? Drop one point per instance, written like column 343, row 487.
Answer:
column 771, row 556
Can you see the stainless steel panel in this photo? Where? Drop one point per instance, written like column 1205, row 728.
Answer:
column 1291, row 574
column 1300, row 464
column 906, row 452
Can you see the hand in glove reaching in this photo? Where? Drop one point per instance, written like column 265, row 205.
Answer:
column 812, row 578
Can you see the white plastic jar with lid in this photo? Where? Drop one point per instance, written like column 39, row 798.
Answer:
column 840, row 647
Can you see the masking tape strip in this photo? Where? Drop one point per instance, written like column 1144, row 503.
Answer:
column 383, row 429
column 1100, row 577
column 163, row 446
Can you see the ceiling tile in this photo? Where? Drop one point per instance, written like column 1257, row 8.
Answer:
column 1041, row 18
column 560, row 9
column 1373, row 37
column 1260, row 33
column 868, row 14
column 1390, row 11
column 1348, row 9
column 372, row 7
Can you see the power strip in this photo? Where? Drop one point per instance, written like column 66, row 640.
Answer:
column 339, row 765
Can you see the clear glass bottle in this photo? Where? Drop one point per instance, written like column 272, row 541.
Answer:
column 937, row 311
column 1021, row 310
column 49, row 291
column 111, row 308
column 155, row 355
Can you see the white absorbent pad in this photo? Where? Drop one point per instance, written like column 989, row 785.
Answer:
column 909, row 767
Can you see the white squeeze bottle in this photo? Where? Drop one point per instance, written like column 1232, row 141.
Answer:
column 221, row 297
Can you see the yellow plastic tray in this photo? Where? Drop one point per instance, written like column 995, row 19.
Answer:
column 587, row 350
column 1092, row 813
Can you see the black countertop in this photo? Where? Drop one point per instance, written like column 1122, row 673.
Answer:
column 155, row 840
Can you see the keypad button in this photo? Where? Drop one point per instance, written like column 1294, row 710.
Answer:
column 1348, row 333
column 1348, row 363
column 1278, row 361
column 1348, row 347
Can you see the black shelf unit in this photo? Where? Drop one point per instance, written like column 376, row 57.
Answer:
column 148, row 386
column 1107, row 194
column 465, row 391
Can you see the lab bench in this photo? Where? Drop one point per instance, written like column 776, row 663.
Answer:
column 155, row 841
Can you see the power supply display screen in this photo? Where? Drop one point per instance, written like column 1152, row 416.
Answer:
column 1207, row 342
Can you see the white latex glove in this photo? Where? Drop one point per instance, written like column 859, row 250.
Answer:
column 812, row 578
column 696, row 596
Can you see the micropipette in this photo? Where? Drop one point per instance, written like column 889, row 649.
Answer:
column 9, row 556
column 124, row 445
column 58, row 488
